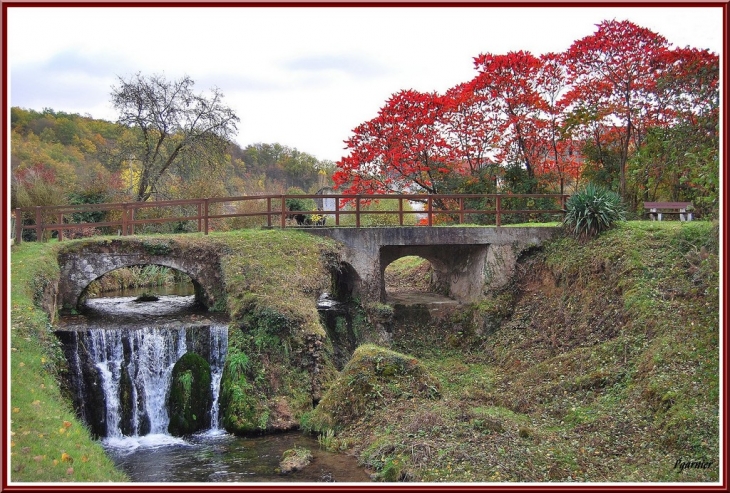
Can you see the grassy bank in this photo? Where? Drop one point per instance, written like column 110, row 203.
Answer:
column 602, row 367
column 47, row 443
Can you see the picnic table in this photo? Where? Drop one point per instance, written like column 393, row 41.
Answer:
column 657, row 209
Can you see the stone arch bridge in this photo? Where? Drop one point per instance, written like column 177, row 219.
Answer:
column 467, row 261
column 82, row 263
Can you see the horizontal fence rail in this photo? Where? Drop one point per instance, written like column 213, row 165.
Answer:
column 124, row 218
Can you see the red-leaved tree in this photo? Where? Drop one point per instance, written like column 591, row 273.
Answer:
column 612, row 74
column 401, row 149
column 510, row 80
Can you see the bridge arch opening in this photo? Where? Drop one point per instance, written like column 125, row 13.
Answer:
column 411, row 274
column 413, row 277
column 144, row 281
column 345, row 282
column 457, row 270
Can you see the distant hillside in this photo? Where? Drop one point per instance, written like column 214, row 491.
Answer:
column 62, row 158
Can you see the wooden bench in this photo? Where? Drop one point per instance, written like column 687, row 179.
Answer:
column 657, row 209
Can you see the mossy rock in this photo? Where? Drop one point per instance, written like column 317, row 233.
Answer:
column 294, row 460
column 190, row 395
column 243, row 412
column 275, row 369
column 372, row 378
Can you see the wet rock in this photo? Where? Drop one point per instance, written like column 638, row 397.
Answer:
column 190, row 395
column 294, row 460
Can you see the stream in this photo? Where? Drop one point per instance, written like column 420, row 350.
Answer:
column 121, row 353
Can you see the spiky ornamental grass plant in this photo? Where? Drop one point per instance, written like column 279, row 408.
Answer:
column 592, row 211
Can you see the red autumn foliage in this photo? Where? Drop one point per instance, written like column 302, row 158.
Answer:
column 607, row 90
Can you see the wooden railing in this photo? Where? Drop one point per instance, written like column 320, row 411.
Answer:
column 273, row 209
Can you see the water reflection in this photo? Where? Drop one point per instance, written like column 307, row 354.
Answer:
column 221, row 457
column 127, row 312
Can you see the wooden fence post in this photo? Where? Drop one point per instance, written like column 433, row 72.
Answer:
column 268, row 209
column 131, row 219
column 18, row 226
column 283, row 212
column 498, row 207
column 60, row 230
column 430, row 211
column 337, row 211
column 38, row 224
column 206, row 212
column 200, row 216
column 357, row 211
column 124, row 219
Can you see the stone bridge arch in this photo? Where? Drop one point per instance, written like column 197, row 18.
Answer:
column 458, row 269
column 84, row 262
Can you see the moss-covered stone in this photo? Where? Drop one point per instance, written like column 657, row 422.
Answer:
column 240, row 406
column 295, row 459
column 272, row 294
column 190, row 395
column 275, row 371
column 374, row 377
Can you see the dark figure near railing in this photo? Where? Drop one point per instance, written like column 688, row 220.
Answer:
column 307, row 220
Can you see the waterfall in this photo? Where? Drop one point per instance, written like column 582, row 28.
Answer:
column 133, row 369
column 107, row 354
column 218, row 351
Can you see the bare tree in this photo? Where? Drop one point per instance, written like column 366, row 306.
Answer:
column 171, row 122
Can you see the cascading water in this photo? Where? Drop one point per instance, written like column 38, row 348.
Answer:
column 130, row 371
column 121, row 357
column 121, row 373
column 218, row 350
column 150, row 374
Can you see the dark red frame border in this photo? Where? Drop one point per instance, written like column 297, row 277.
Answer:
column 116, row 487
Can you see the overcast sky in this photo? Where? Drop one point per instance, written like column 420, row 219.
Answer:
column 302, row 77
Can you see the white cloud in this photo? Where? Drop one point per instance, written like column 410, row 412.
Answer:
column 303, row 77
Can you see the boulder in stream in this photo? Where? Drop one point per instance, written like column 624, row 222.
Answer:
column 190, row 395
column 295, row 459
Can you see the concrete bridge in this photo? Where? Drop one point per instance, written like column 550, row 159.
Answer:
column 467, row 261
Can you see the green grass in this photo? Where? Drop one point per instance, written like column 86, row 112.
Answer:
column 47, row 443
column 281, row 270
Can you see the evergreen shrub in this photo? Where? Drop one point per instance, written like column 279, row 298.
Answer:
column 592, row 211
